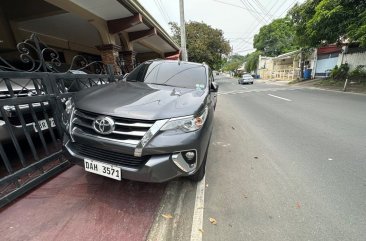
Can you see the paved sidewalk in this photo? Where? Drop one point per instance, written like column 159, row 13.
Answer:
column 79, row 206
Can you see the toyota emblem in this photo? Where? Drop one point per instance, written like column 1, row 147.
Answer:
column 103, row 125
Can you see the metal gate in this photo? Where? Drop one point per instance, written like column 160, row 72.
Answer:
column 31, row 108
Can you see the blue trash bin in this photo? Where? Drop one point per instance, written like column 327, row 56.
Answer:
column 307, row 74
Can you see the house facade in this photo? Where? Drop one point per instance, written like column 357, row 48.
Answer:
column 115, row 32
column 318, row 63
column 285, row 66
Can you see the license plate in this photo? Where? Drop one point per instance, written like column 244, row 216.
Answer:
column 102, row 169
column 43, row 124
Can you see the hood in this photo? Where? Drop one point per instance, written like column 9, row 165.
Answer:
column 136, row 100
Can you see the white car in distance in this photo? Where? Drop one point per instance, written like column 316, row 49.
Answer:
column 246, row 79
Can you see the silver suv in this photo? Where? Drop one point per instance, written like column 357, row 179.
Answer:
column 153, row 126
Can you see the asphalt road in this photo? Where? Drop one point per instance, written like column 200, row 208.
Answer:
column 285, row 163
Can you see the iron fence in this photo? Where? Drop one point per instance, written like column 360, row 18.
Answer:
column 31, row 107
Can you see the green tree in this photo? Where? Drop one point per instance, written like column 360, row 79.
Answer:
column 300, row 15
column 320, row 22
column 204, row 43
column 252, row 60
column 234, row 63
column 276, row 38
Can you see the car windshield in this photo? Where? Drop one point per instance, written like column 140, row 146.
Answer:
column 177, row 74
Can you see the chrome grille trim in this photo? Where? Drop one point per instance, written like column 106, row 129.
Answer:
column 148, row 136
column 128, row 131
column 134, row 124
column 82, row 115
column 77, row 132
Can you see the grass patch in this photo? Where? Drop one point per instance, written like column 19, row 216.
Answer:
column 294, row 82
column 329, row 83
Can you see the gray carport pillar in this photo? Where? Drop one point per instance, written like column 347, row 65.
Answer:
column 110, row 55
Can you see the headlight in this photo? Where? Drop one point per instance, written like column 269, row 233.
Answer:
column 187, row 123
column 69, row 105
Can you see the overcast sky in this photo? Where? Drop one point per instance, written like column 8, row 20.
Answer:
column 239, row 19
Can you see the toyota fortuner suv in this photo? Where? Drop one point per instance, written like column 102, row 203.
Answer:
column 153, row 126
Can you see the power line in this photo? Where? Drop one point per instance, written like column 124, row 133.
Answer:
column 244, row 50
column 238, row 6
column 164, row 10
column 256, row 26
column 268, row 12
column 162, row 13
column 253, row 12
column 290, row 6
column 253, row 7
column 263, row 8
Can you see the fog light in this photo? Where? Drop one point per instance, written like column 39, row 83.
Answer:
column 185, row 160
column 190, row 155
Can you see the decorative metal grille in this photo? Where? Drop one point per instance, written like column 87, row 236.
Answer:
column 36, row 56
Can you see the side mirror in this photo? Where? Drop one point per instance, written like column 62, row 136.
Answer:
column 214, row 87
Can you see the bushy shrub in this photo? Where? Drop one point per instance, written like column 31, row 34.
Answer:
column 340, row 73
column 359, row 73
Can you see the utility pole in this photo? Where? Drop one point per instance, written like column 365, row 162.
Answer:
column 183, row 32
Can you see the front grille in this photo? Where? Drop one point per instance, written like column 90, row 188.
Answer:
column 107, row 156
column 126, row 130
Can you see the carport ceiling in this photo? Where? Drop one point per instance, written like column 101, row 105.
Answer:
column 20, row 10
column 65, row 27
column 106, row 9
column 141, row 48
column 121, row 18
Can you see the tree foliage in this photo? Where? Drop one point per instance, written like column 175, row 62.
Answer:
column 300, row 15
column 204, row 43
column 234, row 63
column 252, row 60
column 320, row 22
column 276, row 38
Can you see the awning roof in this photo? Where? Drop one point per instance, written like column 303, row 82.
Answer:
column 331, row 48
column 111, row 10
column 287, row 55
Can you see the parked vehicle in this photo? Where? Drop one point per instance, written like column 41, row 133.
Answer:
column 19, row 87
column 246, row 79
column 43, row 114
column 153, row 127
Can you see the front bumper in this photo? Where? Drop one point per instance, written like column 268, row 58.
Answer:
column 156, row 169
column 159, row 153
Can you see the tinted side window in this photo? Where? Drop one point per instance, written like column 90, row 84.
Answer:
column 138, row 74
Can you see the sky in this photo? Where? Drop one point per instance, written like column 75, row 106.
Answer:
column 238, row 19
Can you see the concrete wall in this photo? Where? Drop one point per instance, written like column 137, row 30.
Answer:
column 353, row 59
